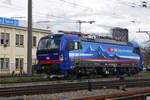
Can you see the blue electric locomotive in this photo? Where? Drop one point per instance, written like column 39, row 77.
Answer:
column 64, row 54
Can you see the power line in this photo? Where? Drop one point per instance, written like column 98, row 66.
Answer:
column 51, row 14
column 42, row 15
column 48, row 21
column 74, row 4
column 9, row 6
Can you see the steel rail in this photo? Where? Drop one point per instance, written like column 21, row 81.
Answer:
column 66, row 87
column 140, row 94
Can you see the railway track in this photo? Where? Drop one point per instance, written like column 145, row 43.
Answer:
column 140, row 94
column 58, row 88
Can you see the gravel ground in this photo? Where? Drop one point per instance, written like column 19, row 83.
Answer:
column 67, row 95
column 63, row 96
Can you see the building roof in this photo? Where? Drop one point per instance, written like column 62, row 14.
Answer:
column 24, row 28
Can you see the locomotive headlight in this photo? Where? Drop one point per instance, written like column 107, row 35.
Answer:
column 61, row 57
column 47, row 58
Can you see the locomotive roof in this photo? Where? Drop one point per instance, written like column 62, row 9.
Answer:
column 109, row 41
column 97, row 40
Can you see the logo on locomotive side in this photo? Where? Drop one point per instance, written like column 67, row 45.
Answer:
column 111, row 49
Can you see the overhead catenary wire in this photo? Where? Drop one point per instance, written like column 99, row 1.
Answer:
column 62, row 19
column 74, row 4
column 10, row 6
column 18, row 6
column 88, row 14
column 44, row 15
column 55, row 16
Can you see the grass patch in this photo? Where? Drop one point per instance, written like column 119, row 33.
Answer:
column 22, row 79
column 41, row 78
column 144, row 73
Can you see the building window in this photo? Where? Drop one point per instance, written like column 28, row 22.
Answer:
column 4, row 63
column 4, row 39
column 34, row 41
column 19, row 40
column 7, row 38
column 19, row 63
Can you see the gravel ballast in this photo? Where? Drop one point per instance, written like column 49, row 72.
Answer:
column 66, row 95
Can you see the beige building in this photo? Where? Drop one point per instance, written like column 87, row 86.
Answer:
column 13, row 48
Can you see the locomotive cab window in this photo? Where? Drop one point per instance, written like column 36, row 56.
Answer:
column 77, row 45
column 49, row 44
column 73, row 45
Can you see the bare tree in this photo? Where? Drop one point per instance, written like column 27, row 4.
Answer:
column 146, row 55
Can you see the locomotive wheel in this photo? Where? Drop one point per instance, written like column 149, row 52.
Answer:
column 72, row 74
column 104, row 75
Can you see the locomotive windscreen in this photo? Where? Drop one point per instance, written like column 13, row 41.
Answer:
column 49, row 44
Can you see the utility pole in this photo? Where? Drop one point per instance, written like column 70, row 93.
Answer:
column 29, row 50
column 80, row 22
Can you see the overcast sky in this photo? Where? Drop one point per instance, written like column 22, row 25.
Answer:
column 64, row 14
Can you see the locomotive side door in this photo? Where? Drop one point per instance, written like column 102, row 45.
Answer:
column 74, row 52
